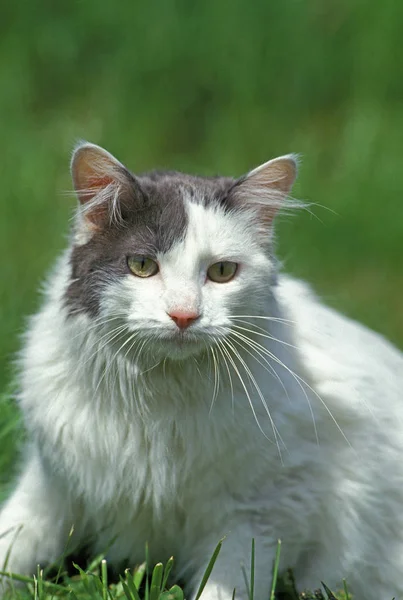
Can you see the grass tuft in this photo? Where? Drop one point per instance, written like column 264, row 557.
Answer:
column 209, row 569
column 95, row 584
column 252, row 571
column 276, row 568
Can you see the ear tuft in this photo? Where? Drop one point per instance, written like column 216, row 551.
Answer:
column 98, row 179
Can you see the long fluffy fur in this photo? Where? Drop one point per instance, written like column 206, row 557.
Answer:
column 288, row 425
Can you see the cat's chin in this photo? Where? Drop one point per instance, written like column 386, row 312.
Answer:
column 180, row 346
column 179, row 349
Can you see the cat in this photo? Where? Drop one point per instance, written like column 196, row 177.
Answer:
column 177, row 388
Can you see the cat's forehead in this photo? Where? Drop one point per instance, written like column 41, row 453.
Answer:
column 212, row 234
column 176, row 187
column 161, row 219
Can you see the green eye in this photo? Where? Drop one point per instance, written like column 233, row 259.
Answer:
column 223, row 271
column 141, row 266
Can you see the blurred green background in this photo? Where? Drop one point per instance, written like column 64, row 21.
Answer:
column 210, row 87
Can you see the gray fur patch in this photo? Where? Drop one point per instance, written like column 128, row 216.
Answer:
column 154, row 218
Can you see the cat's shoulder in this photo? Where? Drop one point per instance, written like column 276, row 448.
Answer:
column 331, row 342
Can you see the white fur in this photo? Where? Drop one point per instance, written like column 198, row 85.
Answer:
column 135, row 444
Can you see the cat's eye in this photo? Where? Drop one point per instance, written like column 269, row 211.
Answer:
column 222, row 271
column 142, row 266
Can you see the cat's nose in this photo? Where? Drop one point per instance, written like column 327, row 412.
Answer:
column 183, row 318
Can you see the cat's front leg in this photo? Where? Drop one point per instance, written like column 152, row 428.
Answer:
column 235, row 555
column 34, row 522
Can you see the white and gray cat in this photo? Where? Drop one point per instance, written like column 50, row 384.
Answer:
column 177, row 389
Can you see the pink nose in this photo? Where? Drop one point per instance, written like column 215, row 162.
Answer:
column 183, row 318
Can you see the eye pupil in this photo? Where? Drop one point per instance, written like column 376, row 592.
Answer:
column 142, row 266
column 222, row 271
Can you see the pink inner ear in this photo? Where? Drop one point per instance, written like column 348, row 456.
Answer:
column 278, row 174
column 91, row 186
column 91, row 171
column 266, row 188
column 98, row 177
column 99, row 182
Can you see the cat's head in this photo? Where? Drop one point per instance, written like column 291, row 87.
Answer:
column 173, row 259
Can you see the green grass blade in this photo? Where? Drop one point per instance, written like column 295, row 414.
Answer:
column 156, row 580
column 210, row 566
column 95, row 585
column 127, row 591
column 246, row 580
column 147, row 592
column 329, row 592
column 39, row 580
column 62, row 557
column 104, row 572
column 80, row 570
column 84, row 578
column 6, row 561
column 167, row 571
column 94, row 564
column 276, row 568
column 176, row 593
column 129, row 582
column 35, row 588
column 252, row 571
column 139, row 575
column 31, row 580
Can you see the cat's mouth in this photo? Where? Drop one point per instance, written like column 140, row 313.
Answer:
column 160, row 344
column 182, row 343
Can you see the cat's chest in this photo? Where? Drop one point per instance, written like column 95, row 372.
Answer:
column 116, row 458
column 110, row 457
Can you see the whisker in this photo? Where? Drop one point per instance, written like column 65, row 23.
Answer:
column 134, row 393
column 274, row 319
column 266, row 335
column 109, row 366
column 268, row 367
column 216, row 380
column 109, row 336
column 302, row 382
column 97, row 323
column 226, row 351
column 197, row 366
column 139, row 349
column 151, row 368
column 251, row 325
column 259, row 349
column 276, row 432
column 229, row 374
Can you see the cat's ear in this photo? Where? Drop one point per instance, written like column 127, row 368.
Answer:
column 100, row 182
column 267, row 187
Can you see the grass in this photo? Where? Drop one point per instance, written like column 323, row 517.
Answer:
column 146, row 583
column 210, row 88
